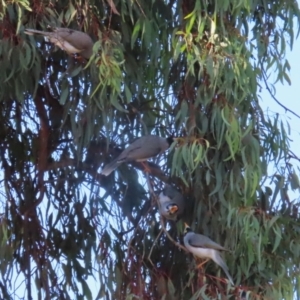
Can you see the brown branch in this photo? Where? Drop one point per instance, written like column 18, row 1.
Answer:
column 64, row 163
column 113, row 7
column 4, row 291
column 42, row 146
column 44, row 132
column 293, row 155
column 169, row 236
column 27, row 257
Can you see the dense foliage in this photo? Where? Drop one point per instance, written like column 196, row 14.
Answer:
column 192, row 68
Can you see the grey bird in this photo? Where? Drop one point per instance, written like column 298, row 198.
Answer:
column 171, row 203
column 69, row 40
column 141, row 149
column 203, row 247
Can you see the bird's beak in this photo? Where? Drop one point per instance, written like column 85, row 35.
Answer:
column 173, row 209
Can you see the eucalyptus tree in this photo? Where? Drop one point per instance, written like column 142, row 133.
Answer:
column 192, row 69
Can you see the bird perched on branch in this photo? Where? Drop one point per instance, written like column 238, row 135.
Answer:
column 203, row 247
column 69, row 40
column 141, row 149
column 171, row 203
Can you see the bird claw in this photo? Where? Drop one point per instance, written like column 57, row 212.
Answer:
column 201, row 264
column 146, row 167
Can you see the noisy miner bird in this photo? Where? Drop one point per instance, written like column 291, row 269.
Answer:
column 203, row 247
column 69, row 40
column 141, row 149
column 171, row 203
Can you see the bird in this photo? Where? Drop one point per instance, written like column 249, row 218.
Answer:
column 141, row 149
column 203, row 247
column 69, row 40
column 171, row 203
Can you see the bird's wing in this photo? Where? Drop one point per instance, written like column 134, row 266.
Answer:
column 139, row 152
column 77, row 39
column 34, row 31
column 202, row 241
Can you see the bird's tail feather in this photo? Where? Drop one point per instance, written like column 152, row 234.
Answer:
column 110, row 167
column 34, row 31
column 228, row 275
column 219, row 260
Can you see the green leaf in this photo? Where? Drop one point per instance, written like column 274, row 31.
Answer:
column 136, row 30
column 171, row 288
column 86, row 290
column 64, row 92
column 190, row 23
column 294, row 180
column 278, row 238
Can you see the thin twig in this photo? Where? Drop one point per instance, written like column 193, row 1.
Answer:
column 169, row 236
column 293, row 155
column 149, row 256
column 275, row 99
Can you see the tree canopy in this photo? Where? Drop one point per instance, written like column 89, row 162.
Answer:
column 193, row 69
